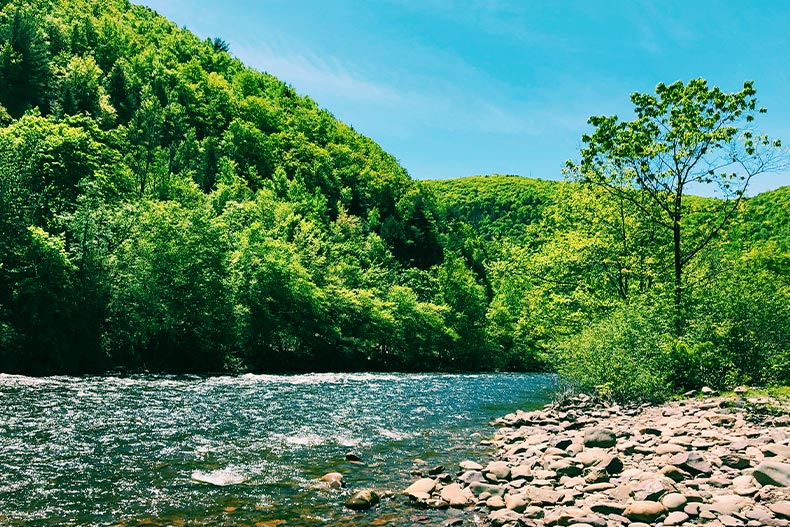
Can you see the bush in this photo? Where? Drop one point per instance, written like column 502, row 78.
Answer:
column 621, row 356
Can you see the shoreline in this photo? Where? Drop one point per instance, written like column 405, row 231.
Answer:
column 717, row 461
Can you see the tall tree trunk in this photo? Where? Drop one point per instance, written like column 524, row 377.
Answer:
column 678, row 259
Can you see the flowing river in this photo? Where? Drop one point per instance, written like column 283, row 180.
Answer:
column 241, row 451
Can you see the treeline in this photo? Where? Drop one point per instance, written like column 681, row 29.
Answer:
column 588, row 290
column 165, row 208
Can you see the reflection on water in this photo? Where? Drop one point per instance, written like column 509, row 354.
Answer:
column 156, row 450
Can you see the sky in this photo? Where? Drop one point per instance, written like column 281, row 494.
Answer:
column 467, row 87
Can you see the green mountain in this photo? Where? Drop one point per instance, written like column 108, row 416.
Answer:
column 494, row 206
column 165, row 208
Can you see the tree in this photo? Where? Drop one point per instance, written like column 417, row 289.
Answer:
column 24, row 57
column 683, row 138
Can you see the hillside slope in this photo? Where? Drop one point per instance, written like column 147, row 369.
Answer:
column 164, row 207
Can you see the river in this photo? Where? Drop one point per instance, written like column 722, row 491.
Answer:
column 132, row 451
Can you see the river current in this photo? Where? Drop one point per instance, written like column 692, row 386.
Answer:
column 241, row 451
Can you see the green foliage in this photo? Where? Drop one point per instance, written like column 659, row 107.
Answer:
column 24, row 59
column 165, row 208
column 685, row 135
column 623, row 356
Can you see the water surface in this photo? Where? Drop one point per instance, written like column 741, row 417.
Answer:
column 105, row 451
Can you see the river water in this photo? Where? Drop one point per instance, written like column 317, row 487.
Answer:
column 138, row 451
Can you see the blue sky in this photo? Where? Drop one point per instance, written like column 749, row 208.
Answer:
column 456, row 88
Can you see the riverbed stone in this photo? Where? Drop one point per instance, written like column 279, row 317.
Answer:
column 495, row 502
column 646, row 511
column 773, row 473
column 470, row 465
column 683, row 463
column 497, row 471
column 734, row 460
column 599, row 437
column 781, row 509
column 421, row 486
column 334, row 480
column 676, row 518
column 480, row 488
column 362, row 500
column 502, row 517
column 674, row 501
column 691, row 462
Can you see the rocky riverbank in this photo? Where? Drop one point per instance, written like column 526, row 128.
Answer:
column 717, row 461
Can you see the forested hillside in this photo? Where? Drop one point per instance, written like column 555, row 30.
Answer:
column 583, row 286
column 165, row 208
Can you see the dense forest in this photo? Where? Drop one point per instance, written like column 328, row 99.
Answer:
column 165, row 208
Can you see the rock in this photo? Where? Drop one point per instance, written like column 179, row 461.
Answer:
column 772, row 473
column 503, row 517
column 608, row 507
column 651, row 490
column 521, row 472
column 451, row 490
column 646, row 511
column 736, row 461
column 726, row 504
column 497, row 470
column 706, row 390
column 565, row 467
column 495, row 502
column 470, row 465
column 516, row 502
column 542, row 496
column 421, row 486
column 435, row 471
column 674, row 501
column 471, row 476
column 669, row 448
column 774, row 450
column 599, row 437
column 741, row 390
column 781, row 509
column 591, row 456
column 419, row 497
column 363, row 499
column 612, row 464
column 334, row 480
column 435, row 503
column 649, row 430
column 691, row 462
column 493, row 490
column 351, row 456
column 674, row 473
column 676, row 518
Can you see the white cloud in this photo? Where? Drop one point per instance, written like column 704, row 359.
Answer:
column 318, row 76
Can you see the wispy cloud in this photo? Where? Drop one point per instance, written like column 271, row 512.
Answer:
column 320, row 76
column 427, row 100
